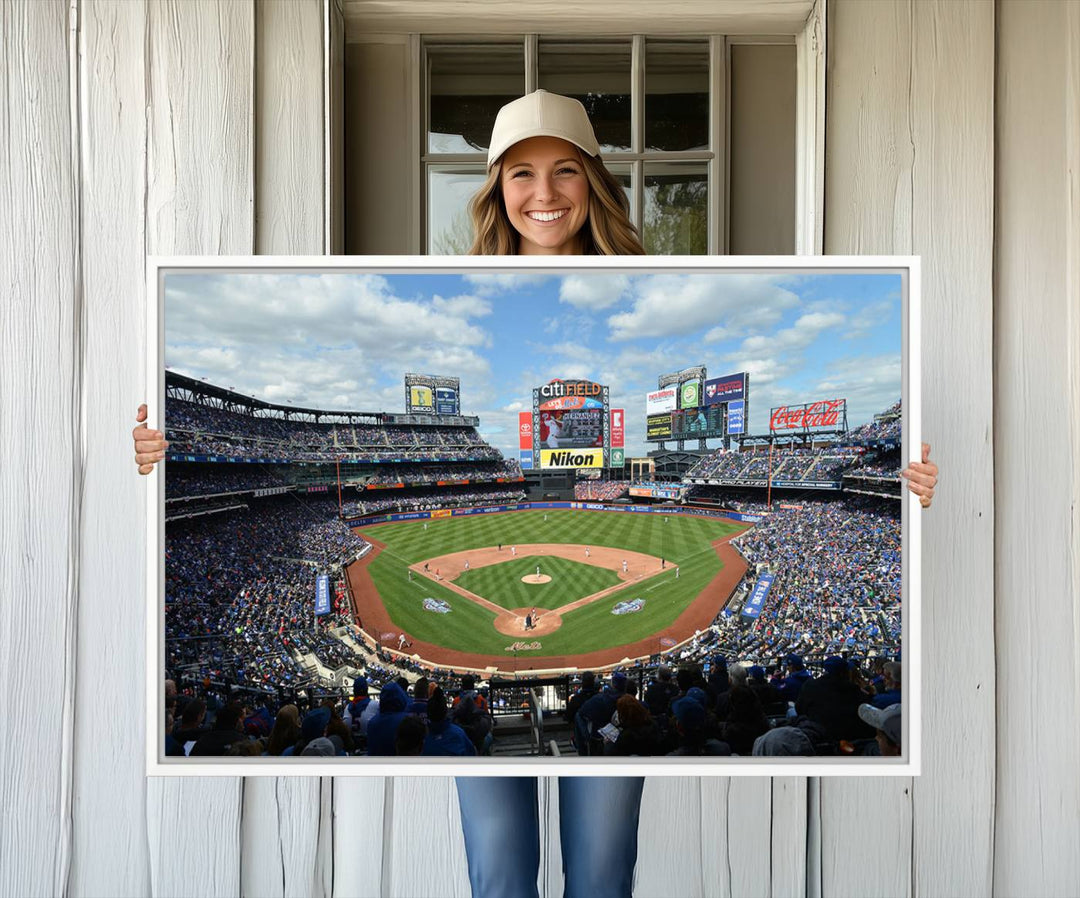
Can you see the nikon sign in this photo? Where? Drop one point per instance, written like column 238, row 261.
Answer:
column 572, row 458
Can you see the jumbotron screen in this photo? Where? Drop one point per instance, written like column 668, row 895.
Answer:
column 704, row 421
column 574, row 429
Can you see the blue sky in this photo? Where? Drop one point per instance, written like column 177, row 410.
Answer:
column 344, row 341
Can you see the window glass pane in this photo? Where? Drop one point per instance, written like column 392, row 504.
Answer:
column 449, row 192
column 676, row 95
column 676, row 209
column 597, row 74
column 467, row 85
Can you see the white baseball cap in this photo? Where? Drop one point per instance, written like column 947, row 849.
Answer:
column 541, row 114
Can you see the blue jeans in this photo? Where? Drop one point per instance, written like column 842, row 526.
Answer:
column 598, row 821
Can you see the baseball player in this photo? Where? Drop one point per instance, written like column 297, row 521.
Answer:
column 624, row 565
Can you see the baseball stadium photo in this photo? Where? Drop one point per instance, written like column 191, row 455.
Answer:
column 556, row 514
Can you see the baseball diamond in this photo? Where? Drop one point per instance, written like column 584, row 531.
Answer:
column 573, row 619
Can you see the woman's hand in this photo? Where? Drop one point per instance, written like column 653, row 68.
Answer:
column 150, row 445
column 922, row 477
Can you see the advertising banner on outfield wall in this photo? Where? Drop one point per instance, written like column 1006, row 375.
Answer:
column 618, row 428
column 725, row 389
column 525, row 430
column 571, row 458
column 660, row 401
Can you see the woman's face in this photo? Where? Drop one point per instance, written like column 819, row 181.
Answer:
column 546, row 195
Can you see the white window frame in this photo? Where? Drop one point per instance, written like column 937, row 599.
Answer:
column 809, row 40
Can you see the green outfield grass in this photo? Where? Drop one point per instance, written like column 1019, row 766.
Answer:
column 683, row 541
column 570, row 580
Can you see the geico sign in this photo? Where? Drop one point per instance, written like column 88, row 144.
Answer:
column 816, row 414
column 559, row 388
column 572, row 458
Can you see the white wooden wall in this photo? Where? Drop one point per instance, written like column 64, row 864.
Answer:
column 953, row 132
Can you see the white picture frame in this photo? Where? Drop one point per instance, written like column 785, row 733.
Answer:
column 908, row 764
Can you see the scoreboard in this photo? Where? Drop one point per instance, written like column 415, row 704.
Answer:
column 704, row 421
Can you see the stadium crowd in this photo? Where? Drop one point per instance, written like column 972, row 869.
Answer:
column 196, row 429
column 599, row 490
column 431, row 500
column 712, row 710
column 240, row 587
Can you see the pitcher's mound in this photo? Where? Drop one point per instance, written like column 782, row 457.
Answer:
column 532, row 578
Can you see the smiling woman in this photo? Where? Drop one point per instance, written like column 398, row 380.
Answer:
column 547, row 191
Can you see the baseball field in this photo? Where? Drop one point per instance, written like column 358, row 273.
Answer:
column 544, row 588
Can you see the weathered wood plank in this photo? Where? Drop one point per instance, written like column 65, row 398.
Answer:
column 289, row 127
column 40, row 446
column 109, row 761
column 423, row 841
column 952, row 83
column 359, row 836
column 1037, row 447
column 199, row 200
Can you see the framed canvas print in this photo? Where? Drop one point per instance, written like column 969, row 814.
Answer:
column 502, row 516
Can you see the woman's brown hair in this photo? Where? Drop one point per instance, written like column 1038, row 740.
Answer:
column 608, row 230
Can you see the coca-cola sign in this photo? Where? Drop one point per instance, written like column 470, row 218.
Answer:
column 830, row 413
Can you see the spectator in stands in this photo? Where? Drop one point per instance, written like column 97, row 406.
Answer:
column 444, row 739
column 745, row 720
column 340, row 733
column 411, row 735
column 782, row 742
column 586, row 691
column 638, row 732
column 286, row 730
column 887, row 727
column 172, row 747
column 596, row 713
column 418, row 705
column 472, row 714
column 360, row 710
column 382, row 729
column 313, row 727
column 797, row 677
column 891, row 694
column 228, row 728
column 767, row 693
column 690, row 726
column 832, row 701
column 191, row 724
column 660, row 693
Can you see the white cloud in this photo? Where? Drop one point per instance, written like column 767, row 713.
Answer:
column 675, row 305
column 495, row 283
column 594, row 291
column 800, row 335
